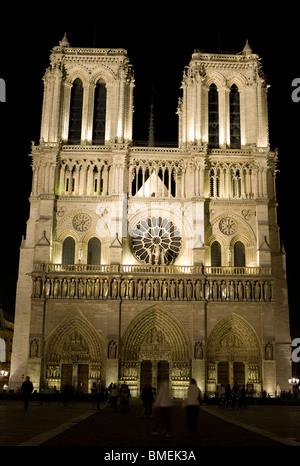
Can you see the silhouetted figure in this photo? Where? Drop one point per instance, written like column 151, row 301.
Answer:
column 243, row 398
column 228, row 397
column 67, row 394
column 221, row 396
column 124, row 397
column 114, row 395
column 148, row 398
column 26, row 389
column 235, row 396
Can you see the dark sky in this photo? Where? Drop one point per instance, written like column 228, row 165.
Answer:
column 159, row 47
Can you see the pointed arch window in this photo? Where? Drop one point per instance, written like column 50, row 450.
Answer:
column 94, row 251
column 216, row 254
column 236, row 183
column 99, row 113
column 76, row 112
column 214, row 182
column 239, row 254
column 68, row 255
column 213, row 116
column 235, row 120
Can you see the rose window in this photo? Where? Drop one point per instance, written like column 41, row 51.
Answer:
column 228, row 226
column 156, row 241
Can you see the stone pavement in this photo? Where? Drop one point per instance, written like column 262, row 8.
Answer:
column 82, row 424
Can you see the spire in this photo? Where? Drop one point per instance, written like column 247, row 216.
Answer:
column 247, row 49
column 151, row 123
column 64, row 42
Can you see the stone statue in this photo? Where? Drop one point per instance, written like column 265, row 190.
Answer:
column 269, row 351
column 112, row 349
column 34, row 348
column 198, row 350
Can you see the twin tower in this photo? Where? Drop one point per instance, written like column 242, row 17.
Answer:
column 141, row 263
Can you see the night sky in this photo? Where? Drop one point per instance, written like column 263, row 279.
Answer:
column 159, row 47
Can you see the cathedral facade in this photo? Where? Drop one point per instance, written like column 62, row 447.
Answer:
column 145, row 263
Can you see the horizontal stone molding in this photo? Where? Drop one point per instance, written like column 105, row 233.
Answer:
column 155, row 287
column 150, row 269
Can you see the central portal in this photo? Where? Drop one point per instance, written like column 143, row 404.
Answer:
column 154, row 348
column 154, row 373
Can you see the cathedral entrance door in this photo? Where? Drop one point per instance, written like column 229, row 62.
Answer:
column 83, row 377
column 239, row 373
column 146, row 373
column 66, row 375
column 223, row 372
column 162, row 372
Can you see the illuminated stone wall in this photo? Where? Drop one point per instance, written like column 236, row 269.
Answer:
column 190, row 276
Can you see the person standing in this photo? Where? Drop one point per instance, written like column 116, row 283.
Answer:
column 147, row 397
column 124, row 397
column 26, row 389
column 221, row 396
column 192, row 406
column 114, row 395
column 163, row 408
column 235, row 396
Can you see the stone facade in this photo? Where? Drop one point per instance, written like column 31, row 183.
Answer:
column 144, row 263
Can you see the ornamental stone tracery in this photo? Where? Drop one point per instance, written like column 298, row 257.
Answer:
column 156, row 241
column 81, row 222
column 233, row 339
column 228, row 226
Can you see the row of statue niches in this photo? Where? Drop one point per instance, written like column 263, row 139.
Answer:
column 163, row 289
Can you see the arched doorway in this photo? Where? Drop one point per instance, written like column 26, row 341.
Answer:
column 233, row 354
column 73, row 355
column 154, row 348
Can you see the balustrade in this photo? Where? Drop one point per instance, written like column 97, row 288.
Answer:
column 148, row 268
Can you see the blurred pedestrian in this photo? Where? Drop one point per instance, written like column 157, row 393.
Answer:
column 26, row 389
column 148, row 398
column 243, row 398
column 228, row 397
column 235, row 396
column 221, row 396
column 68, row 394
column 114, row 395
column 192, row 406
column 163, row 411
column 124, row 397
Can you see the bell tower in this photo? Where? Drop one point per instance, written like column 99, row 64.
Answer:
column 87, row 113
column 85, row 89
column 224, row 101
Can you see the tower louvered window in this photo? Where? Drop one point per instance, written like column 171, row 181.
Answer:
column 99, row 113
column 235, row 125
column 213, row 117
column 76, row 112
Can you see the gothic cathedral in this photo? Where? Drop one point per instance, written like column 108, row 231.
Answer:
column 144, row 263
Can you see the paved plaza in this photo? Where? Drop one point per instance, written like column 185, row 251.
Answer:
column 88, row 424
